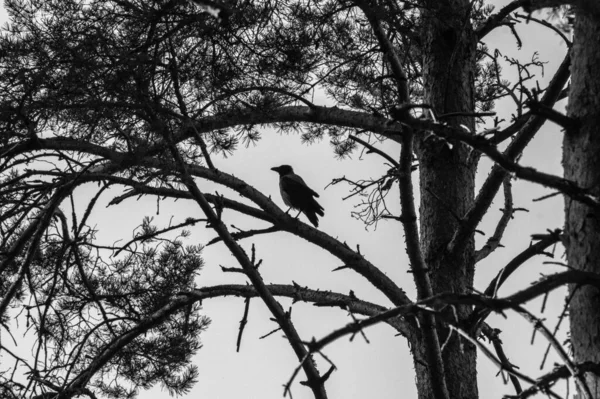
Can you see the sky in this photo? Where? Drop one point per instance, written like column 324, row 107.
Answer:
column 382, row 368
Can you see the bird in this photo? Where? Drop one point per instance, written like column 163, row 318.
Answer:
column 297, row 195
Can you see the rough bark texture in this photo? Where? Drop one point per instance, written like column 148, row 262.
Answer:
column 581, row 161
column 447, row 178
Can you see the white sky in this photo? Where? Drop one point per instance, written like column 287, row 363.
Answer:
column 383, row 368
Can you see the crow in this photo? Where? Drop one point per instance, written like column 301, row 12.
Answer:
column 296, row 194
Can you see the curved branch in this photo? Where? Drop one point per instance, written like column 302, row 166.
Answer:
column 517, row 261
column 302, row 294
column 375, row 150
column 185, row 299
column 548, row 25
column 317, row 114
column 479, row 314
column 513, row 302
column 498, row 19
column 257, row 88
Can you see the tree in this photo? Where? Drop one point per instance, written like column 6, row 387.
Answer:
column 581, row 149
column 142, row 95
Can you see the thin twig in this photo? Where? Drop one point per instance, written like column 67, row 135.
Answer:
column 375, row 150
column 245, row 234
column 243, row 323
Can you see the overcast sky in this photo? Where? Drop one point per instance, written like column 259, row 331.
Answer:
column 382, row 369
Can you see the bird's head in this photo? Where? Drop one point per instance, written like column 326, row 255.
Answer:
column 283, row 170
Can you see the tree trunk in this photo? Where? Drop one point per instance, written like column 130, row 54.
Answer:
column 447, row 179
column 581, row 161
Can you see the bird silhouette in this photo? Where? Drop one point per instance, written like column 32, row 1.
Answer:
column 297, row 195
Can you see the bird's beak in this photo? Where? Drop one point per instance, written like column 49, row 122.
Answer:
column 276, row 169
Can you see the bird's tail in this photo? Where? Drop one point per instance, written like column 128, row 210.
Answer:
column 312, row 217
column 314, row 210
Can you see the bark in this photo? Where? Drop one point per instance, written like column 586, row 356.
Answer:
column 581, row 161
column 447, row 180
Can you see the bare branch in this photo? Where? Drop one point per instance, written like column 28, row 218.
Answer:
column 493, row 335
column 243, row 323
column 575, row 373
column 507, row 213
column 480, row 313
column 143, row 189
column 301, row 294
column 245, row 234
column 494, row 181
column 504, row 164
column 499, row 18
column 546, row 381
column 569, row 124
column 547, row 25
column 283, row 319
column 375, row 150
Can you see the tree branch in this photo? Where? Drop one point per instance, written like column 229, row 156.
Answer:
column 493, row 334
column 317, row 114
column 479, row 314
column 494, row 181
column 143, row 189
column 505, row 163
column 390, row 51
column 507, row 213
column 546, row 381
column 301, row 294
column 375, row 150
column 240, row 235
column 315, row 382
column 270, row 212
column 564, row 121
column 498, row 19
column 351, row 258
